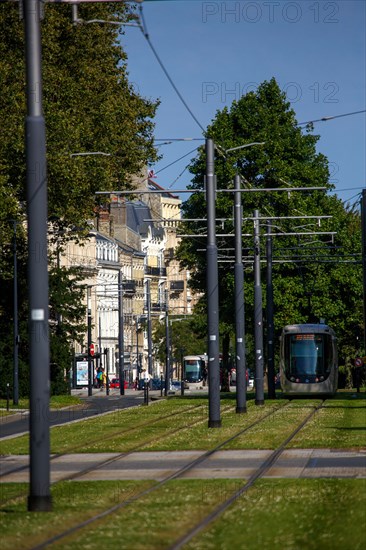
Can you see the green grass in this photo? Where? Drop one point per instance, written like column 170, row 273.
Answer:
column 72, row 503
column 56, row 402
column 289, row 514
column 322, row 514
column 340, row 424
column 92, row 435
column 311, row 514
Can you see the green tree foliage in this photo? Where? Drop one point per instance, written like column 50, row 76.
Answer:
column 312, row 280
column 89, row 105
column 182, row 341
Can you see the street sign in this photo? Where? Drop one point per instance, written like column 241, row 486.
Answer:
column 91, row 349
column 358, row 362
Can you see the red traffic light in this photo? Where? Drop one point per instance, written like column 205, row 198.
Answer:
column 91, row 349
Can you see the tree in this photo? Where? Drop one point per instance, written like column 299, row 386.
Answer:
column 187, row 337
column 316, row 284
column 89, row 106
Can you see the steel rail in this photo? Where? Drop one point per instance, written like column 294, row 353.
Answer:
column 110, row 436
column 252, row 479
column 158, row 485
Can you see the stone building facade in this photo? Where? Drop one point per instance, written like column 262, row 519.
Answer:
column 138, row 240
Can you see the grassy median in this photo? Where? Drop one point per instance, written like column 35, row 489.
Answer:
column 181, row 424
column 316, row 514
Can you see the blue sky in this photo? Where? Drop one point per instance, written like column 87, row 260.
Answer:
column 215, row 51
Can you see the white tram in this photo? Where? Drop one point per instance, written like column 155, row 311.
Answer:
column 308, row 360
column 194, row 371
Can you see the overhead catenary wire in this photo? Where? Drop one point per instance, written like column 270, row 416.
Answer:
column 326, row 118
column 147, row 37
column 260, row 190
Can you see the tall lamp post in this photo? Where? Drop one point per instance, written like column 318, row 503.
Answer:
column 239, row 304
column 214, row 420
column 149, row 329
column 363, row 227
column 16, row 327
column 258, row 317
column 121, row 343
column 270, row 320
column 239, row 292
column 39, row 499
column 90, row 360
column 137, row 351
column 167, row 345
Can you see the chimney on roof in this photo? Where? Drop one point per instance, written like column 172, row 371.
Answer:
column 105, row 222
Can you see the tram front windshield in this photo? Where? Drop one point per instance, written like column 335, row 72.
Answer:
column 308, row 357
column 193, row 370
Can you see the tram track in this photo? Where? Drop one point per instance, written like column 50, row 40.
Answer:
column 260, row 472
column 173, row 476
column 118, row 456
column 106, row 438
column 125, row 454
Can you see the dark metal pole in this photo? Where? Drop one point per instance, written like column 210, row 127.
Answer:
column 270, row 322
column 121, row 343
column 258, row 317
column 39, row 499
column 167, row 345
column 137, row 353
column 241, row 389
column 363, row 225
column 149, row 335
column 90, row 361
column 16, row 327
column 100, row 342
column 212, row 293
column 106, row 359
column 7, row 396
column 181, row 371
column 107, row 378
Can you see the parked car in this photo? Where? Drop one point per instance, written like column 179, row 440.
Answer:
column 114, row 383
column 156, row 383
column 175, row 385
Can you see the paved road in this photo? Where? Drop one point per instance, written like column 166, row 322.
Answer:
column 98, row 403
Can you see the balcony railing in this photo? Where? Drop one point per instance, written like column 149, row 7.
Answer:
column 155, row 271
column 129, row 286
column 157, row 306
